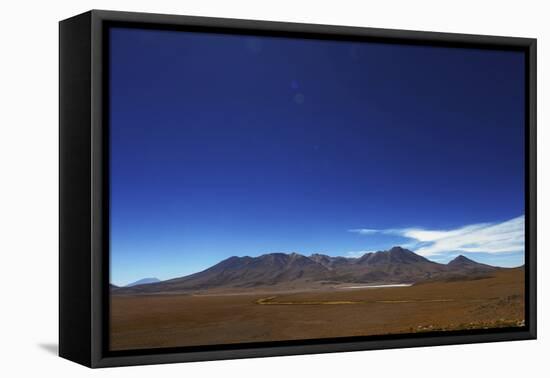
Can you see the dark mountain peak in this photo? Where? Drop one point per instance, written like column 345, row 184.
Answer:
column 365, row 257
column 282, row 255
column 299, row 260
column 321, row 258
column 273, row 259
column 279, row 260
column 318, row 256
column 274, row 256
column 232, row 261
column 400, row 251
column 463, row 263
column 378, row 257
column 395, row 255
column 332, row 262
column 295, row 256
column 462, row 260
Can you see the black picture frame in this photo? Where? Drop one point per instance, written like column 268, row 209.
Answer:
column 84, row 200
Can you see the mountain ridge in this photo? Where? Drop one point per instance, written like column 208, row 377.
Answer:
column 295, row 271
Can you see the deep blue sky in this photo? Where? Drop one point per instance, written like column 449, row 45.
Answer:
column 235, row 145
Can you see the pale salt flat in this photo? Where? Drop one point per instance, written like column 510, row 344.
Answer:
column 376, row 286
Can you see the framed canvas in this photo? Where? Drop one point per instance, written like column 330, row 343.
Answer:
column 234, row 188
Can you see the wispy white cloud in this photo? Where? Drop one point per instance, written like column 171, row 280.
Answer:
column 365, row 231
column 494, row 238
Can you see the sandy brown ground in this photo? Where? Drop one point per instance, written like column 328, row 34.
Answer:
column 152, row 321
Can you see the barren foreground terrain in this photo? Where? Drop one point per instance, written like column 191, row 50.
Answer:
column 171, row 320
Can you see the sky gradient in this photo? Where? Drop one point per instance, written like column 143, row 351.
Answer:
column 228, row 145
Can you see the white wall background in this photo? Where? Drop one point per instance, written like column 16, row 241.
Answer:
column 29, row 174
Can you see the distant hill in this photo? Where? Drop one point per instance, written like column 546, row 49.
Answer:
column 462, row 262
column 295, row 271
column 144, row 281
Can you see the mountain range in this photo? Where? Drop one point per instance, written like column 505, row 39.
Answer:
column 295, row 271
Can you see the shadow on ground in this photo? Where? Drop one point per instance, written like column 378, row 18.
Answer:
column 51, row 348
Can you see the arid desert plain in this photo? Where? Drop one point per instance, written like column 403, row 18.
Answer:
column 489, row 298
